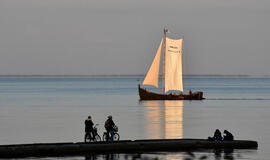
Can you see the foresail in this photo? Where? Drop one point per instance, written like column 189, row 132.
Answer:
column 151, row 77
column 173, row 65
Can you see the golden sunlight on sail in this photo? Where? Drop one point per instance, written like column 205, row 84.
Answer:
column 173, row 65
column 152, row 76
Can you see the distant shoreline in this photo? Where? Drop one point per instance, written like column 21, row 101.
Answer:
column 247, row 76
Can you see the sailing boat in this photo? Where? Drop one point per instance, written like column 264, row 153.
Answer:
column 172, row 73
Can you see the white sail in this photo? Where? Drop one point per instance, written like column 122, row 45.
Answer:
column 151, row 77
column 173, row 65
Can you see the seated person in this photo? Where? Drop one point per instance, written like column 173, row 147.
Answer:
column 227, row 136
column 217, row 136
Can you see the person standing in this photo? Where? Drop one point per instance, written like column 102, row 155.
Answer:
column 89, row 127
column 109, row 125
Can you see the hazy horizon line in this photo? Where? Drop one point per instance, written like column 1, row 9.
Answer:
column 124, row 75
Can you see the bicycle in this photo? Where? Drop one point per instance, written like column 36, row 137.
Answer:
column 107, row 137
column 94, row 137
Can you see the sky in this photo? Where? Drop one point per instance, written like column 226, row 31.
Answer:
column 120, row 37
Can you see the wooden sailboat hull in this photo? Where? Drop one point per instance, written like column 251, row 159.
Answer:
column 147, row 95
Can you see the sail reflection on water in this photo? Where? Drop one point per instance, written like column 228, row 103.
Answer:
column 173, row 118
column 164, row 119
column 153, row 115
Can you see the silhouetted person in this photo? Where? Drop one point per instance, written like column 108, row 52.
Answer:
column 227, row 136
column 109, row 124
column 89, row 126
column 217, row 135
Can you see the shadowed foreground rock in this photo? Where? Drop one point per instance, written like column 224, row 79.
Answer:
column 64, row 149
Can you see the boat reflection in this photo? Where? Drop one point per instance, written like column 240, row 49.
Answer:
column 164, row 119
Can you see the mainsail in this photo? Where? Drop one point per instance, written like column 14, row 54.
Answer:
column 151, row 77
column 173, row 65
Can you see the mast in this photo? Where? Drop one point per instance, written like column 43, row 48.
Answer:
column 164, row 50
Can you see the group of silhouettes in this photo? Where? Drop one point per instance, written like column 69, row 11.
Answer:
column 218, row 137
column 109, row 126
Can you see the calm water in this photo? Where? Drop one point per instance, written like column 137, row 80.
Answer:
column 53, row 109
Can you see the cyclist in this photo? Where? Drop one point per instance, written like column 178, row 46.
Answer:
column 89, row 127
column 109, row 124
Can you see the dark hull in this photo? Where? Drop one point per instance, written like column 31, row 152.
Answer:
column 147, row 95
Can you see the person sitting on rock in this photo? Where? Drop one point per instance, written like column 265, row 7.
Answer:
column 217, row 136
column 227, row 136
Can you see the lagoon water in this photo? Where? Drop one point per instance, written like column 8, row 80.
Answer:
column 53, row 109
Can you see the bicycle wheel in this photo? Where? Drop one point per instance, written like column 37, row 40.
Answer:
column 104, row 137
column 116, row 137
column 87, row 138
column 97, row 138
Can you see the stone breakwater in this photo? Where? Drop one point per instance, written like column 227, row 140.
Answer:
column 124, row 146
